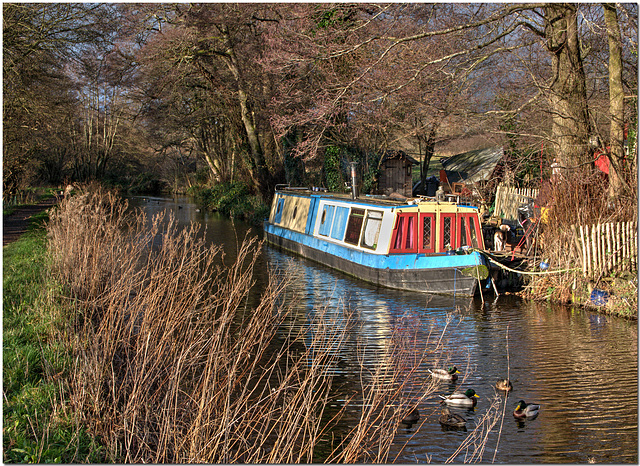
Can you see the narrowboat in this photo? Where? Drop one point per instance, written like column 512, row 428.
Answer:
column 418, row 244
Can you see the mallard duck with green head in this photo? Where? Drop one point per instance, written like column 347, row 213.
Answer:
column 451, row 373
column 449, row 419
column 467, row 399
column 526, row 411
column 504, row 385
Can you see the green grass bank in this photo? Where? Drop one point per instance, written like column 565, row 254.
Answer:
column 39, row 426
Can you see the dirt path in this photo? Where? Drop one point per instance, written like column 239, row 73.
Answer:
column 14, row 225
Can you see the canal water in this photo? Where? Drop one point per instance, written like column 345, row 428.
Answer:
column 581, row 367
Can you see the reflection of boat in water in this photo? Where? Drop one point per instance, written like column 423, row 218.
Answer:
column 416, row 244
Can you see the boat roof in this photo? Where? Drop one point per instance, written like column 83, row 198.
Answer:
column 373, row 199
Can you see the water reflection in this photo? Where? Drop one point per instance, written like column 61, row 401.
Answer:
column 580, row 367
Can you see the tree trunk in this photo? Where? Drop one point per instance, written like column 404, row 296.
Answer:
column 429, row 149
column 568, row 91
column 260, row 171
column 617, row 183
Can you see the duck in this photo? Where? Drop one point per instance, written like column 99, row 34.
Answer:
column 411, row 417
column 449, row 419
column 466, row 399
column 524, row 410
column 504, row 385
column 445, row 374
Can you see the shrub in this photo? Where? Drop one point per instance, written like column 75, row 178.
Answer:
column 233, row 199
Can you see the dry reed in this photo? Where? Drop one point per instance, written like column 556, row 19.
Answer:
column 171, row 365
column 578, row 198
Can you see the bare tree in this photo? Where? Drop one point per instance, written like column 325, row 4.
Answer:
column 217, row 49
column 39, row 41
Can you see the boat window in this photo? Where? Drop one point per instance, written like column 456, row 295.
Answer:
column 295, row 212
column 469, row 230
column 405, row 234
column 339, row 223
column 447, row 232
column 278, row 217
column 354, row 226
column 463, row 231
column 410, row 237
column 397, row 242
column 371, row 229
column 327, row 220
column 473, row 233
column 427, row 233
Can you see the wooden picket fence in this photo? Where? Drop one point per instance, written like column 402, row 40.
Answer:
column 607, row 248
column 509, row 198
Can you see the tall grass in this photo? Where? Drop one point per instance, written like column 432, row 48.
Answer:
column 172, row 365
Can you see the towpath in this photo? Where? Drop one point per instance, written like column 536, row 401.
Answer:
column 16, row 224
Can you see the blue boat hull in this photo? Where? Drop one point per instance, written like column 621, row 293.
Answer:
column 437, row 273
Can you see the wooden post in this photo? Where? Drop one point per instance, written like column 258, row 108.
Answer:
column 584, row 254
column 627, row 245
column 594, row 245
column 625, row 253
column 635, row 244
column 601, row 251
column 614, row 244
column 609, row 249
column 479, row 282
column 631, row 246
column 574, row 230
column 618, row 246
column 621, row 245
column 603, row 240
column 587, row 248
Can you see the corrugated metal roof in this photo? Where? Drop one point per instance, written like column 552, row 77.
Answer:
column 473, row 166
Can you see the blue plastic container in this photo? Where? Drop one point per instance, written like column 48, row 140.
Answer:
column 599, row 297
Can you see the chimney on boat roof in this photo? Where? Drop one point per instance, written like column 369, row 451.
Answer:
column 354, row 185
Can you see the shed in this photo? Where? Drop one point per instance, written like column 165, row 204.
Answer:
column 396, row 173
column 473, row 166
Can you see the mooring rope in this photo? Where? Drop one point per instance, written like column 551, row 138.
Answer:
column 486, row 254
